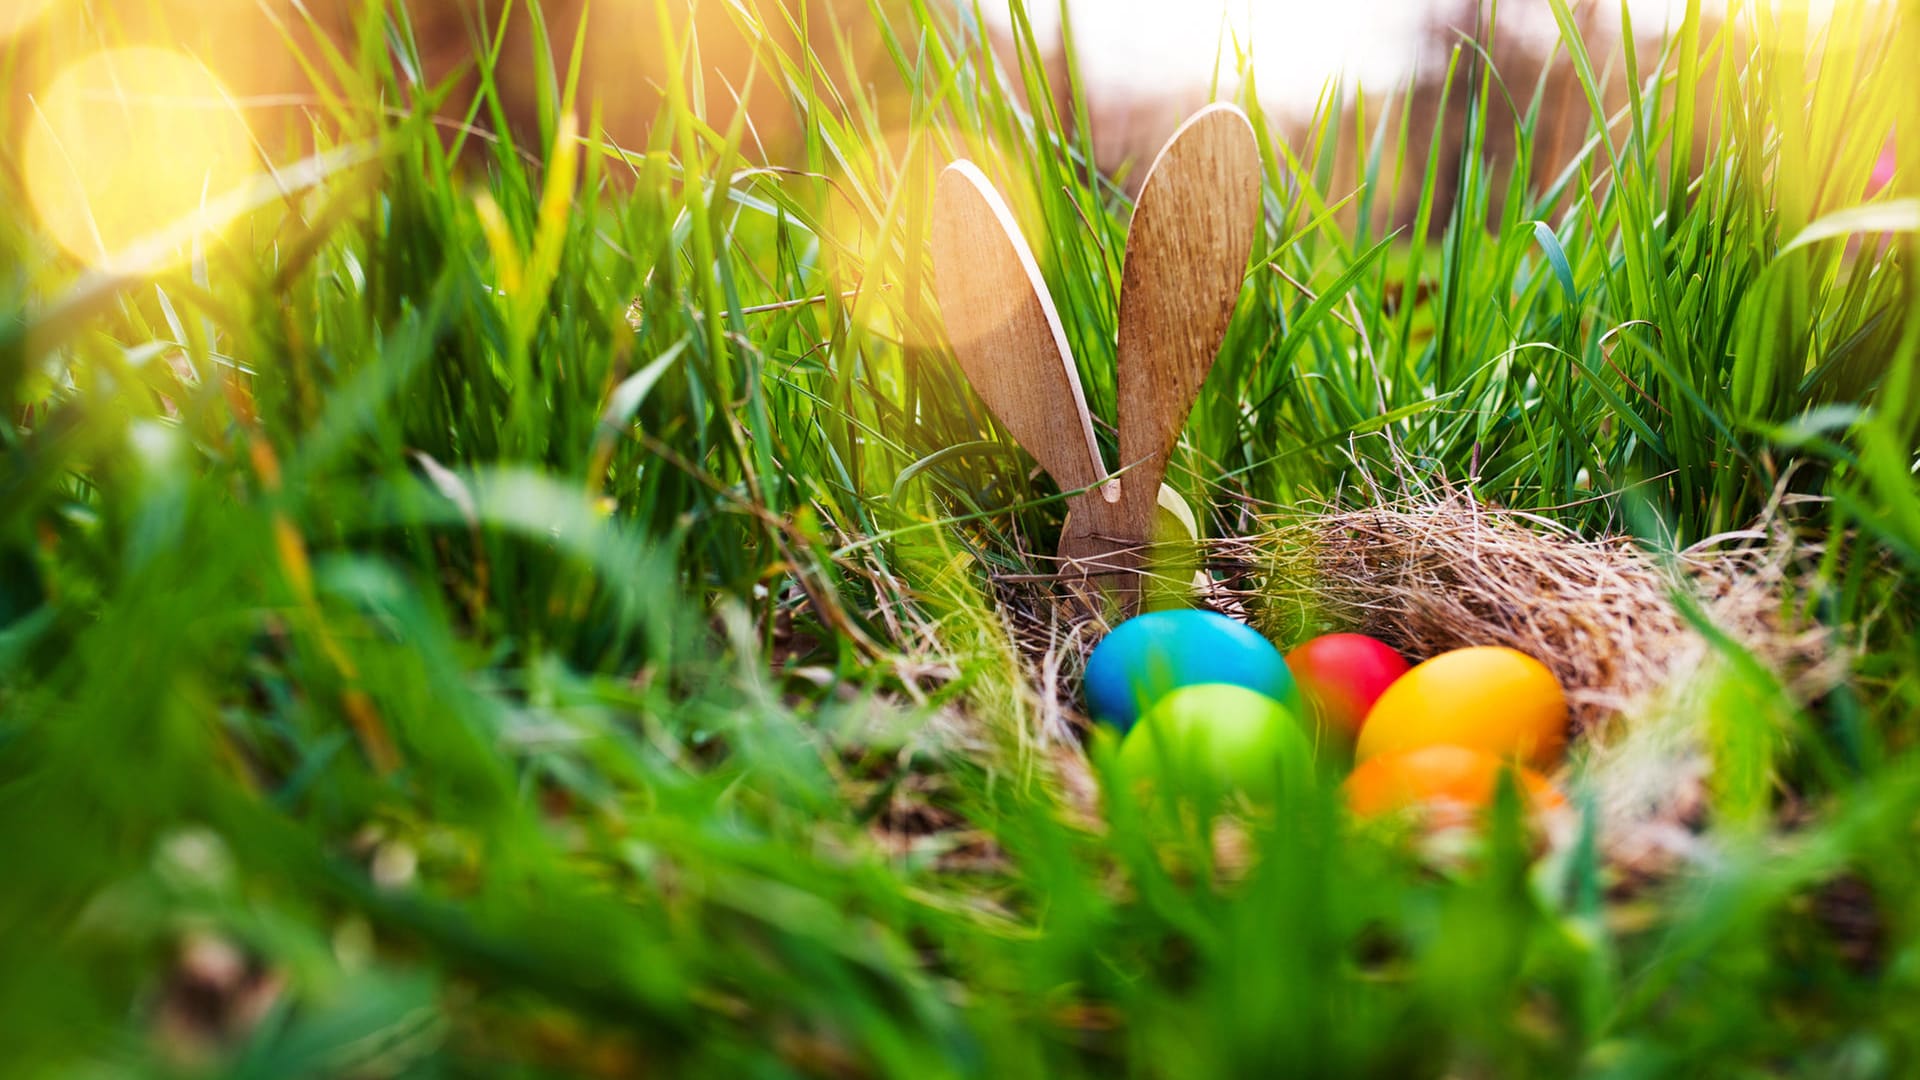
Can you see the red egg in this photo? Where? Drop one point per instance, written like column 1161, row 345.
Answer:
column 1342, row 675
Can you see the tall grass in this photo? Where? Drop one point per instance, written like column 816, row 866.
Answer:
column 526, row 604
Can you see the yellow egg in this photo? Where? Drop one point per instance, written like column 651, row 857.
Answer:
column 1486, row 698
column 1174, row 573
column 1173, row 520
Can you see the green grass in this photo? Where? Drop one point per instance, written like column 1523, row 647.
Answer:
column 377, row 534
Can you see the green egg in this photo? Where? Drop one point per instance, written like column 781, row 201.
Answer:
column 1214, row 738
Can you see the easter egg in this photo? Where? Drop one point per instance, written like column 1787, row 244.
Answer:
column 1151, row 655
column 1486, row 698
column 1446, row 781
column 1341, row 675
column 1173, row 519
column 1173, row 570
column 1215, row 737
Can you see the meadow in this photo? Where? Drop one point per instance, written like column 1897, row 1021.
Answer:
column 517, row 604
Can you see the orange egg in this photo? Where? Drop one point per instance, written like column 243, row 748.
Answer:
column 1446, row 781
column 1488, row 698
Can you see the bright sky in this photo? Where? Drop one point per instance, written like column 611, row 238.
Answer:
column 1297, row 44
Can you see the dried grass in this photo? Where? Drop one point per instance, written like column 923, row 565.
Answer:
column 1446, row 573
column 1601, row 614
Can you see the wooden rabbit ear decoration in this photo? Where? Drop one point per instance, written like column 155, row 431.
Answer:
column 1006, row 334
column 1192, row 229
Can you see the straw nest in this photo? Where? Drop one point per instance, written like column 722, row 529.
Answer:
column 1620, row 627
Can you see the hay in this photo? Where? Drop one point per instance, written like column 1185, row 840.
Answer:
column 1605, row 616
column 1600, row 614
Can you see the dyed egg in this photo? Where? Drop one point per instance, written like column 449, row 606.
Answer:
column 1150, row 656
column 1448, row 782
column 1215, row 737
column 1340, row 676
column 1174, row 572
column 1173, row 519
column 1486, row 698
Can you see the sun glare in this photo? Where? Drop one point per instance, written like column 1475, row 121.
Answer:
column 129, row 144
column 17, row 15
column 1141, row 48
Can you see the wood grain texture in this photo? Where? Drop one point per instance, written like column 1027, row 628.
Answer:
column 1006, row 335
column 1193, row 227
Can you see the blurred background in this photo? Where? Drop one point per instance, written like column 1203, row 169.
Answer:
column 285, row 65
column 431, row 612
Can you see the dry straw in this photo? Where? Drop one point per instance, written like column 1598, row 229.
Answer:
column 1602, row 615
column 1607, row 617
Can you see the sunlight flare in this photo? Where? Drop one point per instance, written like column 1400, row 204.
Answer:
column 17, row 15
column 130, row 143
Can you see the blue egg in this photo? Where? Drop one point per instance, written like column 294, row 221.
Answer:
column 1147, row 657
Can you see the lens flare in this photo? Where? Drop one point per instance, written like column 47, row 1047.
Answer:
column 17, row 15
column 130, row 144
column 877, row 217
column 875, row 184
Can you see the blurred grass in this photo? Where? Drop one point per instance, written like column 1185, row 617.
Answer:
column 477, row 589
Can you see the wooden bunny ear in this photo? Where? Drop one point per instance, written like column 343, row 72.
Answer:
column 1006, row 335
column 1004, row 330
column 1193, row 227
